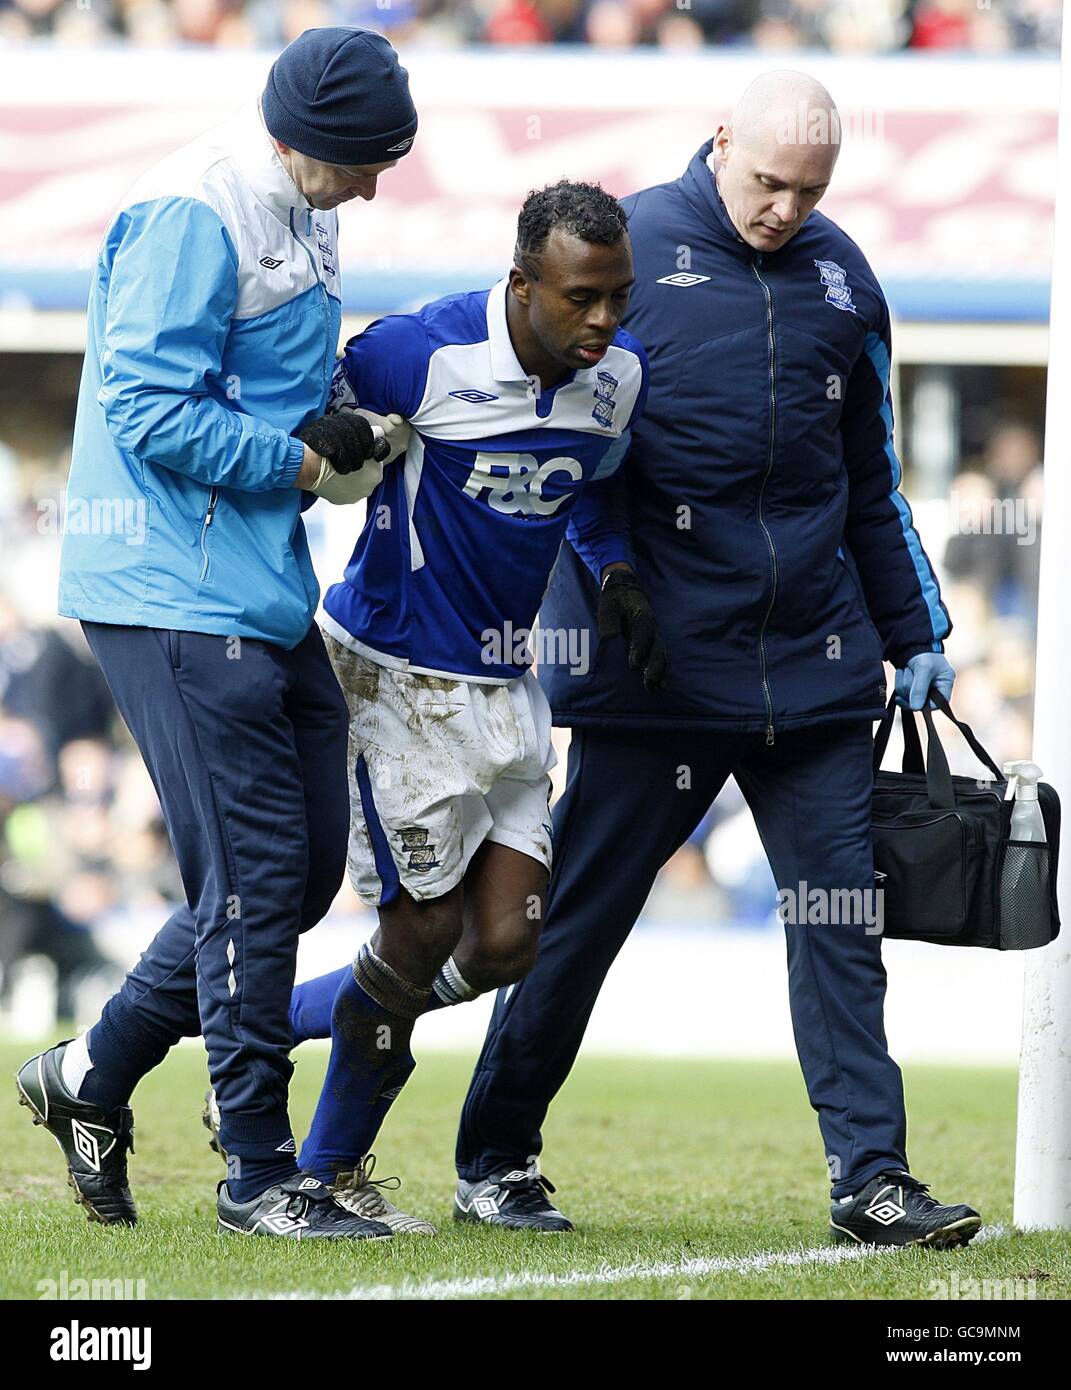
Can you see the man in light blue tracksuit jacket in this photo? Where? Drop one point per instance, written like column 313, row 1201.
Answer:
column 213, row 323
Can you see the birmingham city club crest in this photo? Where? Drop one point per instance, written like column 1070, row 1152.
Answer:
column 421, row 854
column 837, row 291
column 606, row 385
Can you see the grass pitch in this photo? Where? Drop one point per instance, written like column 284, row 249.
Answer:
column 687, row 1179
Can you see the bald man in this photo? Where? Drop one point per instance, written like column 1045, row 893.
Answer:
column 767, row 527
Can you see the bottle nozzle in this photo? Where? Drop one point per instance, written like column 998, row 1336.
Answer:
column 1025, row 775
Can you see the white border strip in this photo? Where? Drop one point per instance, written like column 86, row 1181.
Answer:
column 492, row 1285
column 44, row 73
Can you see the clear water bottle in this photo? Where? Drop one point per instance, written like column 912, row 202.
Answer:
column 1025, row 913
column 1027, row 822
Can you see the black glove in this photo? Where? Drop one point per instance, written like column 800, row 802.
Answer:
column 345, row 440
column 625, row 610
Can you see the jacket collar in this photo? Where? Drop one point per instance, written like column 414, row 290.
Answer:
column 701, row 189
column 257, row 160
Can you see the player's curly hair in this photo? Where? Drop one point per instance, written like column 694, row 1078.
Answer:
column 583, row 209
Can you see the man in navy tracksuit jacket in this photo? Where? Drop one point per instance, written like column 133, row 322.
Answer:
column 781, row 561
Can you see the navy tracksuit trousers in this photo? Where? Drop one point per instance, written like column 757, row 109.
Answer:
column 246, row 746
column 633, row 796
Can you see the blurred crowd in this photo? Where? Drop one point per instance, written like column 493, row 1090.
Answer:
column 842, row 26
column 79, row 835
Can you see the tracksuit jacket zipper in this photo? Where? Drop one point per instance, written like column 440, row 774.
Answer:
column 213, row 496
column 762, row 490
column 329, row 362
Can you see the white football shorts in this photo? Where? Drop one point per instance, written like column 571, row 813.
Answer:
column 437, row 766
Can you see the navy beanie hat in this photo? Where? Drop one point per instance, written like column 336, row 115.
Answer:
column 341, row 96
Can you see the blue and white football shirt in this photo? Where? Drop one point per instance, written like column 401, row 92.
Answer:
column 464, row 529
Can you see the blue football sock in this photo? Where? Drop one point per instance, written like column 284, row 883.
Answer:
column 123, row 1046
column 260, row 1152
column 371, row 1025
column 312, row 1002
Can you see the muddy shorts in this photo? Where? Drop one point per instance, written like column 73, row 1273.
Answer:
column 436, row 767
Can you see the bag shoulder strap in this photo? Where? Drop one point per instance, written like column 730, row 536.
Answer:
column 968, row 733
column 938, row 778
column 912, row 761
column 939, row 784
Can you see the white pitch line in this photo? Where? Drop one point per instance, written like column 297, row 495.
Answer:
column 492, row 1285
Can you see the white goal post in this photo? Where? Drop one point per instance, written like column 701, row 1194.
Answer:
column 1043, row 1145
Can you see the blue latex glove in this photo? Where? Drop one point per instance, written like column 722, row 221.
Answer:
column 928, row 669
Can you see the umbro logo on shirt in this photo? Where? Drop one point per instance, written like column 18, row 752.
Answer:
column 473, row 397
column 683, row 278
column 270, row 263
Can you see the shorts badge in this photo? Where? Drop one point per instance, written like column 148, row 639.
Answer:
column 421, row 854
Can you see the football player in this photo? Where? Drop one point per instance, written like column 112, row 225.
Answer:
column 518, row 401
